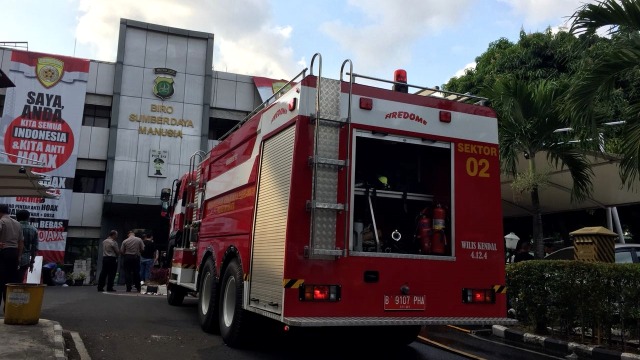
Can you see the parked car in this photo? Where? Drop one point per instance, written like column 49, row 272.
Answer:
column 625, row 253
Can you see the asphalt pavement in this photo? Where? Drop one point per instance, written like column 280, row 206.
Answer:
column 46, row 340
column 43, row 340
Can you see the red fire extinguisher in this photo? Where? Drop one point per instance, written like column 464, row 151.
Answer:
column 438, row 239
column 423, row 232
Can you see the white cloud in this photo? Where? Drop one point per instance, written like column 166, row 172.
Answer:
column 545, row 12
column 462, row 71
column 246, row 39
column 392, row 27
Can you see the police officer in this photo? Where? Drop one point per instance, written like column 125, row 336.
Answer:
column 11, row 246
column 131, row 249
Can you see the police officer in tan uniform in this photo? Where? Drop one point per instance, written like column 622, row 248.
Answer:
column 11, row 246
column 131, row 249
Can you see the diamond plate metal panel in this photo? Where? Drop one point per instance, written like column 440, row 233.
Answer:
column 328, row 141
column 329, row 97
column 324, row 228
column 326, row 179
column 267, row 267
column 326, row 188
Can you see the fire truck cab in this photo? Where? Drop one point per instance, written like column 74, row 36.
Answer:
column 339, row 204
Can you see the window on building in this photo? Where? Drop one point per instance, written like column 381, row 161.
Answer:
column 82, row 249
column 219, row 127
column 96, row 115
column 1, row 105
column 89, row 181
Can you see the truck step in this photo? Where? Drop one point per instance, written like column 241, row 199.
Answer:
column 323, row 205
column 326, row 119
column 326, row 161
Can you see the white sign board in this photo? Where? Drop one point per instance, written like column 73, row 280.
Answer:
column 35, row 276
column 158, row 163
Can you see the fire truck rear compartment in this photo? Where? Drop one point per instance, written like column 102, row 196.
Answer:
column 395, row 178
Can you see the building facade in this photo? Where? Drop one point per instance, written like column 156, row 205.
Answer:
column 144, row 117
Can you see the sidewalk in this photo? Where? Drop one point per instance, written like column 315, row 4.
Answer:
column 40, row 341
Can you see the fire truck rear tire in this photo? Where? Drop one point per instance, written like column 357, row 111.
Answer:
column 207, row 296
column 175, row 294
column 233, row 318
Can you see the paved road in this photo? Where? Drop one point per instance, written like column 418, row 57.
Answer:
column 133, row 326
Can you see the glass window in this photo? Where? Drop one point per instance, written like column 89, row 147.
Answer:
column 96, row 115
column 89, row 181
column 219, row 127
column 623, row 256
column 82, row 249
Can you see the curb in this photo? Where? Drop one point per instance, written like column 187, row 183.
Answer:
column 58, row 340
column 594, row 352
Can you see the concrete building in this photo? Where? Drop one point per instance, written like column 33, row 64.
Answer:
column 144, row 116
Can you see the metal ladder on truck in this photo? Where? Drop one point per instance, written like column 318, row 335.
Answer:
column 326, row 164
column 195, row 185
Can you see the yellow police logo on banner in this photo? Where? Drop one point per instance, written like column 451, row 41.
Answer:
column 163, row 87
column 49, row 71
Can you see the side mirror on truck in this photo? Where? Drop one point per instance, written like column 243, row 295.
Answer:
column 165, row 197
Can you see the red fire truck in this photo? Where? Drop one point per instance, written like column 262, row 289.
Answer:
column 338, row 204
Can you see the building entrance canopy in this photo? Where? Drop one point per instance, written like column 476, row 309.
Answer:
column 22, row 180
column 608, row 190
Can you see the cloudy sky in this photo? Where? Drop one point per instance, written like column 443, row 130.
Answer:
column 432, row 39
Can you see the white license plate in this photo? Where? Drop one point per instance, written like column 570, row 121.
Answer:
column 404, row 302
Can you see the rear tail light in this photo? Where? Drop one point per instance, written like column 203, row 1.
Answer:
column 478, row 296
column 319, row 292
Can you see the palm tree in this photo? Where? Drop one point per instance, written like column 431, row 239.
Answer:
column 601, row 79
column 528, row 117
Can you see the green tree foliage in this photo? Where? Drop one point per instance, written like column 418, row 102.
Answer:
column 535, row 56
column 614, row 76
column 528, row 117
column 557, row 61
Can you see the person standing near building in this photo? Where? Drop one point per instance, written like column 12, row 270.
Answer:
column 131, row 249
column 148, row 256
column 110, row 252
column 11, row 245
column 30, row 235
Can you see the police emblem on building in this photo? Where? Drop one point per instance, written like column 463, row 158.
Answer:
column 163, row 85
column 49, row 71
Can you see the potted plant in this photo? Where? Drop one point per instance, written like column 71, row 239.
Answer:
column 79, row 279
column 69, row 277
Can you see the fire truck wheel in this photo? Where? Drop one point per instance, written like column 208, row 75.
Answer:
column 207, row 295
column 175, row 294
column 233, row 326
